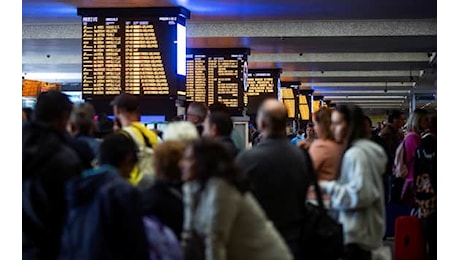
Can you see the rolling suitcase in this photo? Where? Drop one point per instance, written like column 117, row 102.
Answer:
column 409, row 242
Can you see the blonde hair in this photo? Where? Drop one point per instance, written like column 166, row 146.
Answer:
column 182, row 131
column 415, row 118
column 166, row 159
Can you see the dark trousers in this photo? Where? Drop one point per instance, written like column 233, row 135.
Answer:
column 354, row 252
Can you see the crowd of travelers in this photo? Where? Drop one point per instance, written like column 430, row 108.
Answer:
column 97, row 188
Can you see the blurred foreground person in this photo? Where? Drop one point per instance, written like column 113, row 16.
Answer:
column 221, row 215
column 105, row 213
column 164, row 198
column 358, row 194
column 278, row 174
column 48, row 161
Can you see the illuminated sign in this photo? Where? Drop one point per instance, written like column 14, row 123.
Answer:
column 140, row 51
column 216, row 75
column 262, row 84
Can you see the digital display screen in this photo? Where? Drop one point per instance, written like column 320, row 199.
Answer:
column 304, row 109
column 262, row 84
column 181, row 49
column 316, row 105
column 152, row 118
column 74, row 96
column 128, row 50
column 287, row 97
column 216, row 75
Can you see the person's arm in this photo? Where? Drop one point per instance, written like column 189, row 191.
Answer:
column 410, row 145
column 223, row 201
column 360, row 191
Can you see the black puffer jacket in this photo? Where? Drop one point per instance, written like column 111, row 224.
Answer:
column 47, row 163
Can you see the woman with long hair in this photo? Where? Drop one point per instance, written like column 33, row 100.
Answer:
column 358, row 193
column 417, row 123
column 325, row 152
column 221, row 211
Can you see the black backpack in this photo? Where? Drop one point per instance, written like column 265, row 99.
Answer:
column 425, row 175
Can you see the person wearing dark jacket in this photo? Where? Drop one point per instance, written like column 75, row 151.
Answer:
column 48, row 162
column 82, row 125
column 277, row 173
column 219, row 125
column 164, row 198
column 105, row 213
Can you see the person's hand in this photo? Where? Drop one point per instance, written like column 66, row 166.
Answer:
column 303, row 144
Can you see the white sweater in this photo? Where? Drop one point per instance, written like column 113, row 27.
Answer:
column 358, row 194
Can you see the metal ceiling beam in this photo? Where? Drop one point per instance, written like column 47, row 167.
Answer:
column 289, row 57
column 367, row 97
column 306, row 28
column 312, row 28
column 341, row 57
column 363, row 92
column 380, row 73
column 356, row 84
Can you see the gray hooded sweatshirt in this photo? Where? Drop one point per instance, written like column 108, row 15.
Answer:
column 358, row 194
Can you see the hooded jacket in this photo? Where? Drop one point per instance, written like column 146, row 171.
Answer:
column 231, row 224
column 358, row 194
column 104, row 218
column 48, row 162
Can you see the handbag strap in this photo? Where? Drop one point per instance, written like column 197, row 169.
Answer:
column 312, row 176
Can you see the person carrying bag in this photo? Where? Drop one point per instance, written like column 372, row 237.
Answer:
column 322, row 236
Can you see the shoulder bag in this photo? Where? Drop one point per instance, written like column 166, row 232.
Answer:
column 322, row 236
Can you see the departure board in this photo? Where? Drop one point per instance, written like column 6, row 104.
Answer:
column 304, row 109
column 216, row 75
column 316, row 105
column 262, row 84
column 287, row 97
column 133, row 50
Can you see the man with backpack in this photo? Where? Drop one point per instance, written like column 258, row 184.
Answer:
column 126, row 108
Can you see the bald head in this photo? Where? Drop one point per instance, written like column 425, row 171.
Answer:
column 271, row 117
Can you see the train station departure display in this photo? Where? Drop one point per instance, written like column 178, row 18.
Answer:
column 287, row 97
column 304, row 109
column 262, row 84
column 217, row 75
column 139, row 51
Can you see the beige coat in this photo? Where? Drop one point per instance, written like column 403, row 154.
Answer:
column 233, row 225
